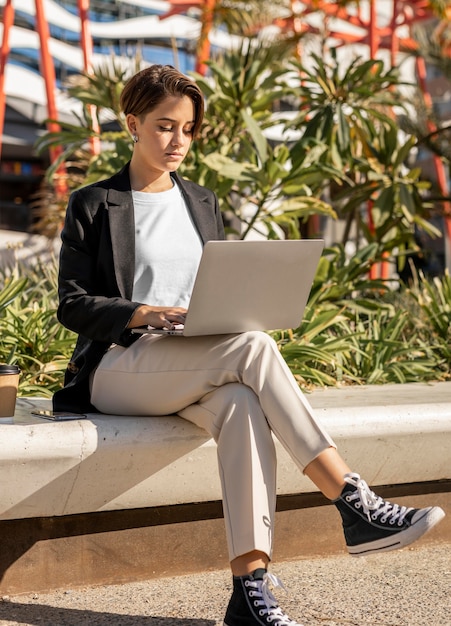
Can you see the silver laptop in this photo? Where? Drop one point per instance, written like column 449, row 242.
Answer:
column 249, row 285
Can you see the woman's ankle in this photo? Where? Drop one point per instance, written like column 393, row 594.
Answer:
column 247, row 563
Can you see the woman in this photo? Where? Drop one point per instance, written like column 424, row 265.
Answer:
column 131, row 247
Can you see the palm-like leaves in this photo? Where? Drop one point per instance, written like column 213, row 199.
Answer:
column 344, row 107
column 395, row 191
column 102, row 90
column 264, row 186
column 350, row 110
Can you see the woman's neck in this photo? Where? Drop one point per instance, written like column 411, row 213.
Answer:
column 149, row 182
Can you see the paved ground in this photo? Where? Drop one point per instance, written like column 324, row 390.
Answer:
column 407, row 588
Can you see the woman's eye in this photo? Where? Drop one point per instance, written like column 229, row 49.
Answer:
column 170, row 129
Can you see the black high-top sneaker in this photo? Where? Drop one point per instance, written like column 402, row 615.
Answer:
column 253, row 604
column 371, row 524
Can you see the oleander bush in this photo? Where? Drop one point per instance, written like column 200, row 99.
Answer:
column 354, row 331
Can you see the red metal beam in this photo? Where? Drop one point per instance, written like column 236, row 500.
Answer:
column 47, row 67
column 86, row 39
column 203, row 54
column 48, row 73
column 373, row 40
column 207, row 14
column 8, row 21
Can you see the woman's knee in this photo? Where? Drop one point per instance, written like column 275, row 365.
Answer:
column 259, row 336
column 260, row 341
column 259, row 350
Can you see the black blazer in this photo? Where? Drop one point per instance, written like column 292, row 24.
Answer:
column 97, row 271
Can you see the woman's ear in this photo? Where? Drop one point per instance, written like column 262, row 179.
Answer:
column 131, row 123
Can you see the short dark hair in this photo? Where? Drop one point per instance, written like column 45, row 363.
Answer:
column 148, row 88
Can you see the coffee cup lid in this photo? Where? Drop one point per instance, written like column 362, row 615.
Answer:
column 9, row 369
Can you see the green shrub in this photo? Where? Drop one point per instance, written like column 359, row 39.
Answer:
column 30, row 334
column 354, row 331
column 357, row 331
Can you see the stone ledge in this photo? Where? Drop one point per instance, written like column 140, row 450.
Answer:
column 394, row 434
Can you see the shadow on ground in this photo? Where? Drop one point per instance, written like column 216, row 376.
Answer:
column 43, row 615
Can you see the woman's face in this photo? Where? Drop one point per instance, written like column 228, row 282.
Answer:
column 164, row 134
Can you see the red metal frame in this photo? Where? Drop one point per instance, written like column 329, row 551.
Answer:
column 208, row 10
column 48, row 72
column 47, row 69
column 8, row 21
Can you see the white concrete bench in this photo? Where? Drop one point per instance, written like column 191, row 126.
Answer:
column 392, row 435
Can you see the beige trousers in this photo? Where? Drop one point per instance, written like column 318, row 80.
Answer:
column 240, row 390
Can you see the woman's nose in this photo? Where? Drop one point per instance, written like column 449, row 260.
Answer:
column 177, row 138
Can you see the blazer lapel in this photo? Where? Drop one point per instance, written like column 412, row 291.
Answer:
column 122, row 232
column 199, row 206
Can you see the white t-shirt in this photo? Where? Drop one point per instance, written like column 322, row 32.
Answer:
column 167, row 249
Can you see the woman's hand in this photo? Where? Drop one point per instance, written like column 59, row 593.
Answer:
column 157, row 316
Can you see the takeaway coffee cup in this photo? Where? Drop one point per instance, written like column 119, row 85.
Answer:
column 9, row 381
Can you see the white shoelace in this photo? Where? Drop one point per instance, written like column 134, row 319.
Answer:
column 265, row 599
column 373, row 505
